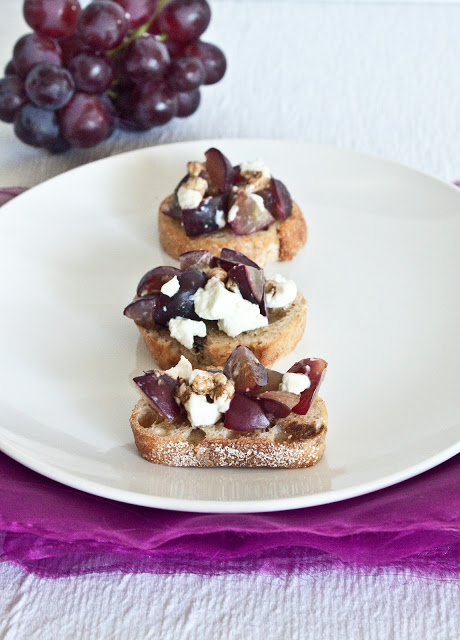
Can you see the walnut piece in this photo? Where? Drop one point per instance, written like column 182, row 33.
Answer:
column 217, row 272
column 196, row 183
column 224, row 388
column 195, row 168
column 254, row 181
column 203, row 383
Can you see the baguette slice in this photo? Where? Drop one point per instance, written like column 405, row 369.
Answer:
column 269, row 344
column 293, row 442
column 280, row 242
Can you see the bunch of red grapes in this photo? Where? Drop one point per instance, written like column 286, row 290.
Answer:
column 82, row 72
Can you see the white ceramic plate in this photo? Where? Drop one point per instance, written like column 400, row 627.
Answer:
column 379, row 275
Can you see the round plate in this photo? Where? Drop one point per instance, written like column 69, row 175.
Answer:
column 378, row 272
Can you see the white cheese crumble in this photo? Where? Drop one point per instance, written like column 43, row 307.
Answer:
column 182, row 370
column 185, row 330
column 295, row 382
column 188, row 198
column 256, row 166
column 171, row 287
column 233, row 313
column 220, row 219
column 280, row 292
column 202, row 413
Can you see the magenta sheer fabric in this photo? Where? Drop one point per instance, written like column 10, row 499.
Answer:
column 52, row 530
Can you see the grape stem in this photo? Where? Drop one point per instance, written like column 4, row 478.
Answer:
column 137, row 33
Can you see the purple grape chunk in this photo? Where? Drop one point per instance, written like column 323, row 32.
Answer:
column 249, row 218
column 160, row 392
column 154, row 279
column 316, row 372
column 245, row 370
column 200, row 260
column 220, row 170
column 229, row 258
column 12, row 97
column 278, row 404
column 251, row 283
column 269, row 200
column 173, row 211
column 187, row 103
column 203, row 220
column 275, row 378
column 245, row 414
column 181, row 303
column 282, row 200
column 142, row 311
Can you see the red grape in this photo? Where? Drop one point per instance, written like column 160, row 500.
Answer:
column 92, row 73
column 10, row 69
column 53, row 18
column 140, row 11
column 12, row 97
column 49, row 86
column 32, row 49
column 186, row 74
column 212, row 57
column 152, row 105
column 146, row 59
column 72, row 46
column 184, row 20
column 154, row 279
column 102, row 25
column 85, row 121
column 39, row 128
column 187, row 103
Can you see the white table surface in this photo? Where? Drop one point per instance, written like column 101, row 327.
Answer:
column 377, row 78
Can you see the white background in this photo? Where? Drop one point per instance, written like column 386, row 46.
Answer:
column 380, row 78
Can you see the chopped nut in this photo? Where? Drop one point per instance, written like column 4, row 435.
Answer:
column 183, row 393
column 255, row 180
column 223, row 389
column 195, row 168
column 203, row 383
column 217, row 272
column 197, row 184
column 231, row 285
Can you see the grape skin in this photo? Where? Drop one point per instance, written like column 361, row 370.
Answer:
column 53, row 18
column 32, row 49
column 184, row 20
column 85, row 121
column 91, row 73
column 39, row 128
column 212, row 57
column 12, row 97
column 49, row 86
column 102, row 25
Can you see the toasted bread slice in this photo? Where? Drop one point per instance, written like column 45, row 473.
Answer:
column 292, row 442
column 280, row 242
column 269, row 344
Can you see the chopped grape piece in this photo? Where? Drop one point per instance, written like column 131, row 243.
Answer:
column 160, row 393
column 142, row 311
column 229, row 258
column 245, row 370
column 204, row 219
column 245, row 414
column 220, row 170
column 200, row 260
column 278, row 404
column 282, row 208
column 249, row 216
column 251, row 283
column 154, row 279
column 181, row 303
column 316, row 372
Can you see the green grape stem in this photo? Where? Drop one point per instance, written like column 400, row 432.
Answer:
column 137, row 33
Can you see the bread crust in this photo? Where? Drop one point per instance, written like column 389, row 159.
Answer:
column 269, row 344
column 240, row 449
column 280, row 242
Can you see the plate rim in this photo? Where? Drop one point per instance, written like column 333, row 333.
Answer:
column 229, row 506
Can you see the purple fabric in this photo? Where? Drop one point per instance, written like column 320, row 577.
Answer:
column 53, row 530
column 8, row 193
